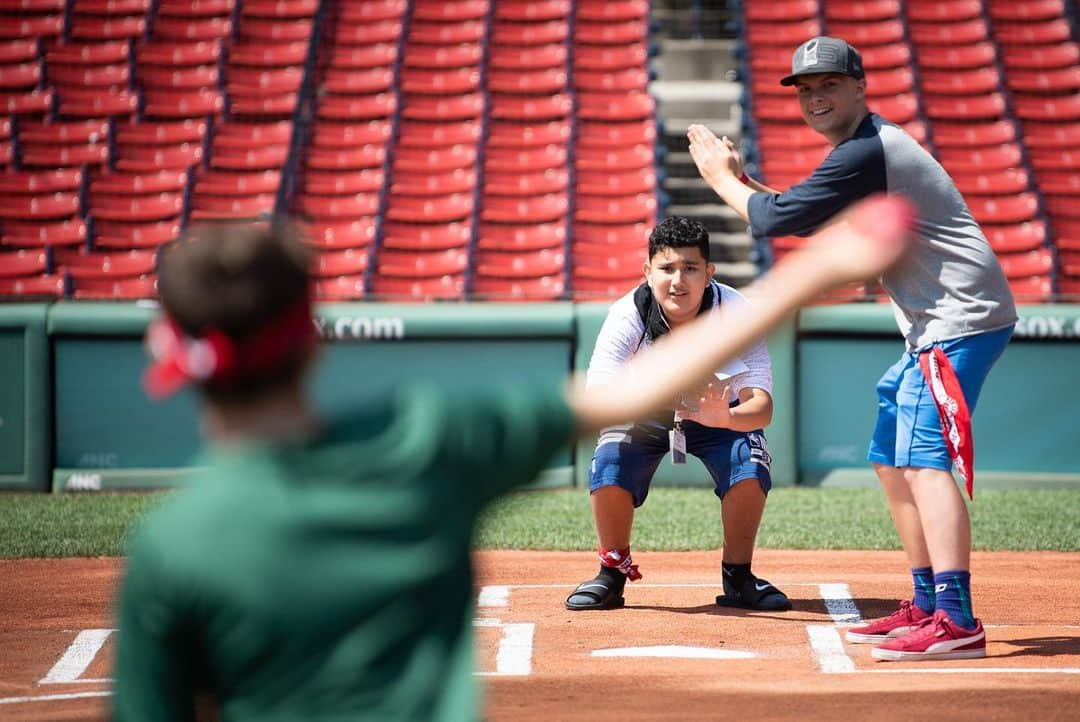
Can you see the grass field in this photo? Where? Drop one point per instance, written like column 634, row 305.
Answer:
column 74, row 525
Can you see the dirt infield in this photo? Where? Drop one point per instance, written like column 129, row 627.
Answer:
column 671, row 654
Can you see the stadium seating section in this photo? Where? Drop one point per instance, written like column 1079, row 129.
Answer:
column 992, row 89
column 489, row 149
column 430, row 149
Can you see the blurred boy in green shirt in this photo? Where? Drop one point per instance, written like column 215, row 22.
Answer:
column 319, row 570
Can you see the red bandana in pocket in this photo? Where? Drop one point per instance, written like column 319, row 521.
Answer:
column 955, row 418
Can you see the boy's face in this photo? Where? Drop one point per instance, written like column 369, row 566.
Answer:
column 830, row 102
column 677, row 277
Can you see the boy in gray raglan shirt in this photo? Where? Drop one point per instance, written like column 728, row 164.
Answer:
column 952, row 304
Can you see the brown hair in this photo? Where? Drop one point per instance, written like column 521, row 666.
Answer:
column 235, row 278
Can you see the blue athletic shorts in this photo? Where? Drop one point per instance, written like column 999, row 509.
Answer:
column 908, row 431
column 628, row 459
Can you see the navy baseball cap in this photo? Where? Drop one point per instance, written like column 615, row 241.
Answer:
column 824, row 55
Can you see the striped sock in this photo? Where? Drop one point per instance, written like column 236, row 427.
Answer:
column 923, row 579
column 952, row 592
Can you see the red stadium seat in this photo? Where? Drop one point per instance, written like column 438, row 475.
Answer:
column 992, row 182
column 1004, row 209
column 108, row 76
column 783, row 10
column 521, row 237
column 34, row 102
column 430, row 209
column 197, row 76
column 163, row 133
column 1058, row 80
column 944, row 11
column 23, row 75
column 420, row 160
column 445, row 57
column 356, row 81
column 183, row 53
column 860, row 34
column 279, row 9
column 438, row 33
column 247, row 136
column 606, row 135
column 265, row 81
column 342, row 135
column 1052, row 135
column 553, row 180
column 869, row 11
column 612, row 10
column 521, row 264
column 608, row 234
column 192, row 9
column 14, row 264
column 179, row 156
column 525, row 209
column 1061, row 55
column 543, row 33
column 960, row 82
column 426, row 236
column 116, row 289
column 974, row 134
column 274, row 55
column 127, row 235
column 338, row 207
column 18, row 51
column 1026, row 9
column 82, row 264
column 97, row 103
column 543, row 288
column 460, row 107
column 616, row 209
column 1016, row 237
column 609, row 57
column 41, row 182
column 531, row 108
column 339, row 288
column 346, row 262
column 358, row 233
column 532, row 81
column 624, row 159
column 527, row 160
column 1038, row 262
column 622, row 32
column 77, row 132
column 1054, row 182
column 183, row 103
column 426, row 81
column 365, row 156
column 451, row 287
column 23, row 234
column 611, row 184
column 616, row 106
column 436, row 11
column 438, row 135
column 612, row 81
column 31, row 26
column 1034, row 33
column 990, row 106
column 787, row 33
column 30, row 286
column 89, row 27
column 519, row 135
column 537, row 57
column 137, row 208
column 192, row 28
column 270, row 157
column 1062, row 206
column 948, row 57
column 1034, row 289
column 530, row 11
column 974, row 160
column 336, row 183
column 1050, row 158
column 212, row 207
column 383, row 31
column 357, row 108
column 1058, row 108
column 65, row 155
column 603, row 289
column 418, row 183
column 244, row 183
column 423, row 264
column 964, row 32
column 39, row 207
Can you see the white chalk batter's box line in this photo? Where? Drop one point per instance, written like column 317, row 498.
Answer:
column 513, row 656
column 826, row 646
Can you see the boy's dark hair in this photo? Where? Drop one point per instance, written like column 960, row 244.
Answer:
column 235, row 278
column 679, row 232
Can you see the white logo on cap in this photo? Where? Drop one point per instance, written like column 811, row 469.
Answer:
column 810, row 55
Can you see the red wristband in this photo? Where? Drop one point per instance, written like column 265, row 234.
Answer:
column 744, row 179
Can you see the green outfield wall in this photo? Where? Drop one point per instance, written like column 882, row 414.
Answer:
column 73, row 415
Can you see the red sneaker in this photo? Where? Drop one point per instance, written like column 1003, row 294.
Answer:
column 897, row 624
column 935, row 638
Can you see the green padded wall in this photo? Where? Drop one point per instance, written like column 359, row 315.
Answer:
column 25, row 408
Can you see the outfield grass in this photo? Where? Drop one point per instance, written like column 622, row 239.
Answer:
column 71, row 525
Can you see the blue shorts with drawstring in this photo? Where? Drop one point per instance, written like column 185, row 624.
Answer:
column 628, row 458
column 908, row 430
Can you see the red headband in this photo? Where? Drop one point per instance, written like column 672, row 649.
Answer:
column 177, row 359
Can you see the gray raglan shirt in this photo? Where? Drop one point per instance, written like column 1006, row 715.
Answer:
column 950, row 283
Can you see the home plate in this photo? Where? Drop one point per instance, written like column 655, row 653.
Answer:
column 673, row 651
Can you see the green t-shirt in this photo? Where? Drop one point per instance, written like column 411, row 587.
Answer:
column 328, row 580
